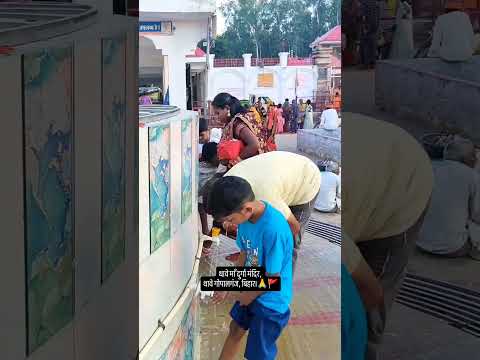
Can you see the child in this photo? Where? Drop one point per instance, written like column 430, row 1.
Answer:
column 265, row 239
column 203, row 135
column 207, row 170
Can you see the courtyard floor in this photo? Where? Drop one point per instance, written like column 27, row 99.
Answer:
column 314, row 328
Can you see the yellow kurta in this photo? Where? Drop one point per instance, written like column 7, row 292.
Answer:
column 283, row 179
column 387, row 181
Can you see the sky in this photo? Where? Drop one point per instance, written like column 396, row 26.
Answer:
column 220, row 18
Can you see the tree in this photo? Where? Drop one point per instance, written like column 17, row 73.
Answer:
column 266, row 27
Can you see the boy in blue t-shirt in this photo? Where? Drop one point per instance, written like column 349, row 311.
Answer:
column 265, row 239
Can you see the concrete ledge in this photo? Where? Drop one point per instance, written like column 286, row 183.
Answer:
column 444, row 95
column 321, row 144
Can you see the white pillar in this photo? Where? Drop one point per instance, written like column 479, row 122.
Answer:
column 246, row 77
column 210, row 79
column 211, row 61
column 178, row 79
column 283, row 59
column 247, row 60
column 166, row 73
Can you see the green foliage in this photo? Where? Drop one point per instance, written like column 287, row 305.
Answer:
column 267, row 27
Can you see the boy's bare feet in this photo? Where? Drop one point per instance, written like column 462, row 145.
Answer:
column 232, row 344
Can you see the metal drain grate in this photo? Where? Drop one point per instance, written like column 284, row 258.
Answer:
column 329, row 232
column 459, row 307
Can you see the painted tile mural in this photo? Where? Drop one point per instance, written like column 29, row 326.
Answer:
column 49, row 243
column 113, row 154
column 183, row 344
column 159, row 154
column 186, row 169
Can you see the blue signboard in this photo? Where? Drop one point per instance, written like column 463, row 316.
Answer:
column 156, row 26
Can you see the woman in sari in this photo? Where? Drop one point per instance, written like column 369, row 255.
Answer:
column 240, row 124
column 270, row 117
column 280, row 120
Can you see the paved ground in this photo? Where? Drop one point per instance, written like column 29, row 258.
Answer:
column 314, row 328
column 411, row 334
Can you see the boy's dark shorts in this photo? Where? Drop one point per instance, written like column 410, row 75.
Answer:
column 264, row 328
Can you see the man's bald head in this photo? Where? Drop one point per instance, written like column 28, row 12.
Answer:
column 462, row 150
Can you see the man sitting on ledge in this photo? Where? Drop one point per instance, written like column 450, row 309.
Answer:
column 453, row 37
column 452, row 224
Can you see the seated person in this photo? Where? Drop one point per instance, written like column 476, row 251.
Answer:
column 329, row 119
column 451, row 226
column 477, row 44
column 329, row 197
column 453, row 37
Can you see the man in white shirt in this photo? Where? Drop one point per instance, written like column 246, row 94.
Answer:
column 453, row 37
column 451, row 226
column 329, row 197
column 329, row 119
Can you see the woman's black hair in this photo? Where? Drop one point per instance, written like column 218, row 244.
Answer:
column 223, row 100
column 309, row 102
column 279, row 106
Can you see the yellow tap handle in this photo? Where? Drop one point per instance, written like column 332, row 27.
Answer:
column 215, row 232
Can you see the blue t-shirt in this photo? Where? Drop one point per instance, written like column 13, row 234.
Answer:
column 269, row 243
column 354, row 320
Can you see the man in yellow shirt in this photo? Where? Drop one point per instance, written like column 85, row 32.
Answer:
column 386, row 189
column 287, row 181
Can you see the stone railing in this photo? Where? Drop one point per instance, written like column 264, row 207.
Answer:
column 220, row 63
column 320, row 144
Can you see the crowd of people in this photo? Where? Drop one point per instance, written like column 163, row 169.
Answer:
column 261, row 203
column 454, row 37
column 384, row 206
column 388, row 211
column 429, row 203
column 385, row 209
column 287, row 117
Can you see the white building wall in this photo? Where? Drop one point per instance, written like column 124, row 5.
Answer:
column 184, row 41
column 243, row 81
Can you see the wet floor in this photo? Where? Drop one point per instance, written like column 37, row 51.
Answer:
column 313, row 331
